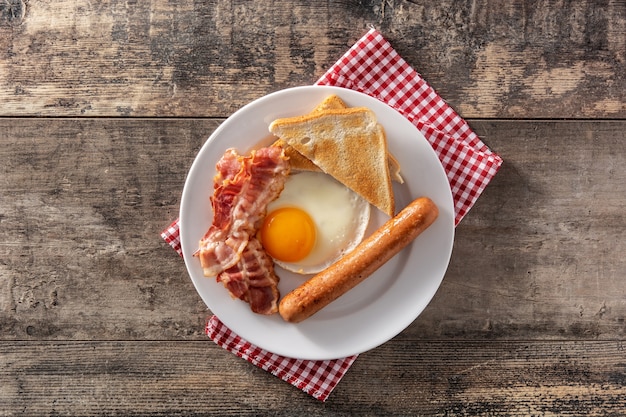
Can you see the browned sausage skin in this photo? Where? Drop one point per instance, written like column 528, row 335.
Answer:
column 367, row 257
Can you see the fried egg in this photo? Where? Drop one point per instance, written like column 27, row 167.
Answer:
column 313, row 223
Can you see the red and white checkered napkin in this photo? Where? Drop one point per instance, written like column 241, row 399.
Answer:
column 373, row 67
column 317, row 378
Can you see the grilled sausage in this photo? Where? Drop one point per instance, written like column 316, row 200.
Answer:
column 353, row 268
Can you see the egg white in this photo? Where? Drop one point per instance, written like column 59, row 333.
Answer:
column 340, row 216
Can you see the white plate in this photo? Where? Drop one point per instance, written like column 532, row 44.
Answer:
column 377, row 309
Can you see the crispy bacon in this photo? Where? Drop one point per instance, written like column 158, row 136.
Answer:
column 243, row 186
column 226, row 187
column 253, row 279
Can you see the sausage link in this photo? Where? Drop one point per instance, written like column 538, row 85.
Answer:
column 325, row 287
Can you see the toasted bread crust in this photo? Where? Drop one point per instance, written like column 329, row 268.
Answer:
column 300, row 162
column 331, row 102
column 332, row 137
column 296, row 159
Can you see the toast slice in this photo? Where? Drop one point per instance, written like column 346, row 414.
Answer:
column 299, row 162
column 331, row 102
column 296, row 159
column 346, row 143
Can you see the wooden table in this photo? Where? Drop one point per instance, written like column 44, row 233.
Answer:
column 104, row 105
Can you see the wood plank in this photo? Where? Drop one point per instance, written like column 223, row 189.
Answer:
column 186, row 58
column 82, row 203
column 409, row 377
column 548, row 234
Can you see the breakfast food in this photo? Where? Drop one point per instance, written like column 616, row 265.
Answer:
column 300, row 162
column 333, row 101
column 313, row 222
column 353, row 268
column 303, row 204
column 243, row 186
column 348, row 144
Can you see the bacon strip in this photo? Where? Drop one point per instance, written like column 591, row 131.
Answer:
column 243, row 186
column 253, row 279
column 239, row 202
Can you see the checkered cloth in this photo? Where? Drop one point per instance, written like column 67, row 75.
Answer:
column 316, row 378
column 373, row 67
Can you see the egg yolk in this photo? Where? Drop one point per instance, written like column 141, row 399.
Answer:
column 288, row 234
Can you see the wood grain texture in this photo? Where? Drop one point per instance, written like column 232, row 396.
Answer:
column 82, row 203
column 520, row 59
column 540, row 255
column 409, row 377
column 104, row 105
